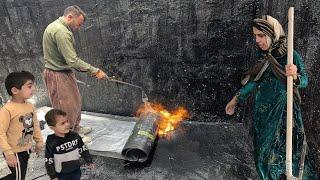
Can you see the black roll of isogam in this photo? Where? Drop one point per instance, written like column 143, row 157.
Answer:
column 142, row 138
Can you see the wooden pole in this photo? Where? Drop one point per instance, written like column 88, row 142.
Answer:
column 289, row 97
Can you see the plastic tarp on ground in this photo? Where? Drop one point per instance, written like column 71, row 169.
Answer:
column 109, row 136
column 109, row 132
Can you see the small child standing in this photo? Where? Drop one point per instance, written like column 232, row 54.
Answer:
column 63, row 148
column 19, row 124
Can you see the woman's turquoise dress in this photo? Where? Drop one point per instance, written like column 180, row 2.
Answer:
column 269, row 124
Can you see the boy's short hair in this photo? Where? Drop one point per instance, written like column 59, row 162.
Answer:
column 17, row 80
column 51, row 115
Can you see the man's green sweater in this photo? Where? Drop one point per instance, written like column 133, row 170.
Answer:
column 58, row 49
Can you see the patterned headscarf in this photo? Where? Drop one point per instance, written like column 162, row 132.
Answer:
column 270, row 26
column 274, row 32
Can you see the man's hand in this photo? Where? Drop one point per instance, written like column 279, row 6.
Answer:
column 11, row 160
column 100, row 74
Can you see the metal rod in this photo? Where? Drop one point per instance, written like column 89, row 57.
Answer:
column 122, row 82
column 144, row 95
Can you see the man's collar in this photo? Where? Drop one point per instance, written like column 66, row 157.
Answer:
column 64, row 22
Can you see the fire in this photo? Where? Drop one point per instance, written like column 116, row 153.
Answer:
column 169, row 120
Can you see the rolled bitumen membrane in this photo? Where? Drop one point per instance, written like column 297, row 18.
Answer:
column 139, row 144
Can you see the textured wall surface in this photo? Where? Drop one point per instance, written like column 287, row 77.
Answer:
column 182, row 52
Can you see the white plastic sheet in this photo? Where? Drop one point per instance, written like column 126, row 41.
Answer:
column 109, row 132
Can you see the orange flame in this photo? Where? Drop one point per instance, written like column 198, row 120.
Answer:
column 169, row 120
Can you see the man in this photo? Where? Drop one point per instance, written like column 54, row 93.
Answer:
column 59, row 60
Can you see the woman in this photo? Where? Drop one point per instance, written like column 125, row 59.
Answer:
column 268, row 79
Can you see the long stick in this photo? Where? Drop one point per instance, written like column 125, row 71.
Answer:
column 289, row 97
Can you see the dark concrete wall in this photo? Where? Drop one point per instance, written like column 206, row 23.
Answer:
column 187, row 52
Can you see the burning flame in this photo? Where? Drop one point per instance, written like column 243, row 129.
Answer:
column 169, row 120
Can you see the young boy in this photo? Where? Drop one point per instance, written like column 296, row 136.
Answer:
column 19, row 124
column 63, row 148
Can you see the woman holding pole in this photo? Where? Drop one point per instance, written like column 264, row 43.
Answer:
column 268, row 79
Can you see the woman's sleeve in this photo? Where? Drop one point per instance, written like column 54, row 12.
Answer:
column 246, row 90
column 302, row 80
